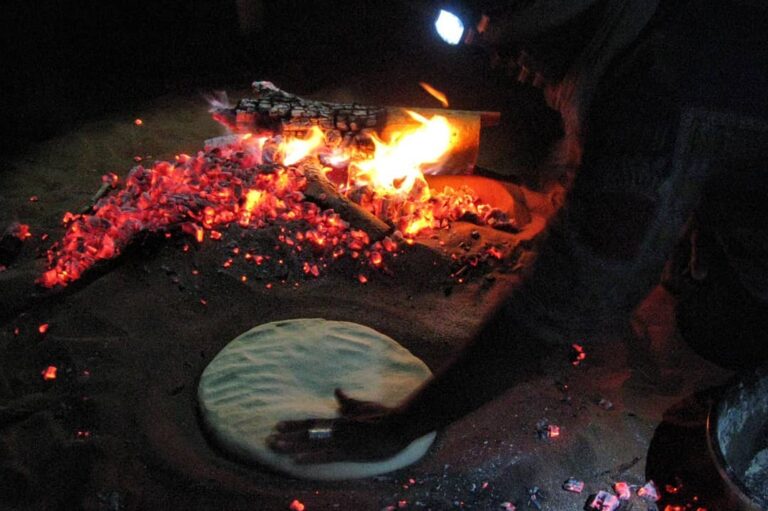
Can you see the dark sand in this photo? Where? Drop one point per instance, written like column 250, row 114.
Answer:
column 131, row 341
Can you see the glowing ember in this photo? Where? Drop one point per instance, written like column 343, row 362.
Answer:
column 252, row 199
column 578, row 355
column 622, row 490
column 649, row 492
column 254, row 182
column 495, row 253
column 296, row 505
column 49, row 373
column 111, row 179
column 21, row 231
column 43, row 328
column 138, row 122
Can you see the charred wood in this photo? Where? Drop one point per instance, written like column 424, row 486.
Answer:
column 323, row 193
column 100, row 193
column 275, row 110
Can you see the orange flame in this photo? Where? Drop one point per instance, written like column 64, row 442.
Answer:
column 442, row 98
column 252, row 199
column 296, row 149
column 396, row 166
column 416, row 225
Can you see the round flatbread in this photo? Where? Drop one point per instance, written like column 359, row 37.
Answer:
column 288, row 370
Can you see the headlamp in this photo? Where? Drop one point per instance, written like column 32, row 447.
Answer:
column 456, row 24
column 449, row 27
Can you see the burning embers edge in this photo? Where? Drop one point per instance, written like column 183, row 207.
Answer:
column 259, row 182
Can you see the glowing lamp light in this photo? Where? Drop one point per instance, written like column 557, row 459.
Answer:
column 449, row 27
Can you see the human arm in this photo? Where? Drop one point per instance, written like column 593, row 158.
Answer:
column 496, row 358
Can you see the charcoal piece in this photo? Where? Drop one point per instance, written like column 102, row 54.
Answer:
column 324, row 193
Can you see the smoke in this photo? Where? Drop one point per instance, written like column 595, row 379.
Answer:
column 218, row 100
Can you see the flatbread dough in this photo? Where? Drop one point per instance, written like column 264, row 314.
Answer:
column 288, row 370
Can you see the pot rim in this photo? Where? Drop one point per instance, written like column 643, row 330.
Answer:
column 746, row 497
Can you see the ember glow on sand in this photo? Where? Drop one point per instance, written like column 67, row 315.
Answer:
column 254, row 181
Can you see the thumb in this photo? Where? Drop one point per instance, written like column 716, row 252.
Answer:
column 352, row 408
column 347, row 405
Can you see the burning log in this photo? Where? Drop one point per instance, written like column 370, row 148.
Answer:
column 324, row 193
column 277, row 111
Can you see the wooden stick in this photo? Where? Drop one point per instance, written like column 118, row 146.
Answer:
column 323, row 193
column 100, row 193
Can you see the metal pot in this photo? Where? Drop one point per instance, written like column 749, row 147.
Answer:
column 737, row 437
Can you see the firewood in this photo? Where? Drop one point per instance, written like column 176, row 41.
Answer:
column 276, row 110
column 323, row 193
column 100, row 193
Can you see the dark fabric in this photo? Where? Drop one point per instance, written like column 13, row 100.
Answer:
column 685, row 103
column 656, row 134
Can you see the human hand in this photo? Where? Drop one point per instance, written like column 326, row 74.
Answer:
column 365, row 431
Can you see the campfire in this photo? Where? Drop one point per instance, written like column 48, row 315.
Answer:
column 330, row 180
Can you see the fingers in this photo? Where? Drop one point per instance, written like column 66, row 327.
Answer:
column 350, row 407
column 347, row 405
column 341, row 396
column 302, row 450
column 348, row 441
column 300, row 425
column 293, row 436
column 288, row 443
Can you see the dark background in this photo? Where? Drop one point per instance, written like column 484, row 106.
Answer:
column 69, row 62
